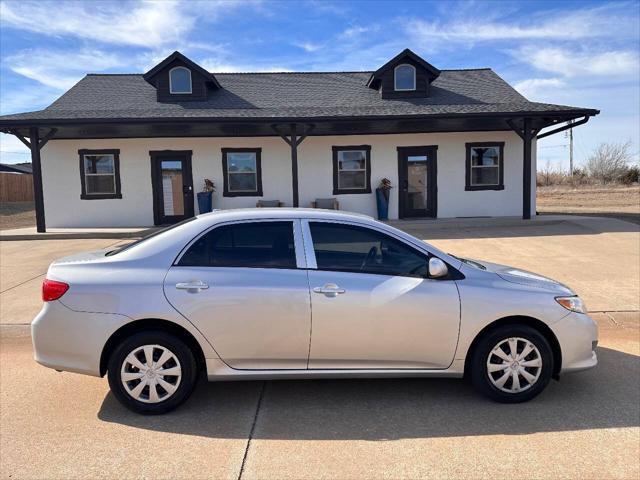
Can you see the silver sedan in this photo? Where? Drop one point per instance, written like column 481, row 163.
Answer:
column 295, row 293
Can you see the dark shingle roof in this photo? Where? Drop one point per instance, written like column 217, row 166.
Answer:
column 16, row 167
column 288, row 95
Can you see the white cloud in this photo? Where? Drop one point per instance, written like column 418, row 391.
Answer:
column 145, row 23
column 308, row 46
column 219, row 66
column 26, row 98
column 571, row 63
column 60, row 69
column 13, row 150
column 530, row 88
column 141, row 23
column 604, row 21
column 358, row 30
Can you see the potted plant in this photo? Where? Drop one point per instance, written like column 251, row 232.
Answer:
column 205, row 197
column 382, row 198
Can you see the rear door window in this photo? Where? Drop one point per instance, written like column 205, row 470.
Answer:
column 253, row 245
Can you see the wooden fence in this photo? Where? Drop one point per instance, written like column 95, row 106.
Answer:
column 15, row 187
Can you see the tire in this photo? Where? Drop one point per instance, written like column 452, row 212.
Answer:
column 128, row 369
column 500, row 384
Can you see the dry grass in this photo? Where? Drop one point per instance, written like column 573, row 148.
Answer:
column 17, row 215
column 617, row 201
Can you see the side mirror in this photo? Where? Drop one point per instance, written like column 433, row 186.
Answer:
column 437, row 268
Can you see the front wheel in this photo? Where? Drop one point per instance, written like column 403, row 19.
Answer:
column 511, row 364
column 152, row 372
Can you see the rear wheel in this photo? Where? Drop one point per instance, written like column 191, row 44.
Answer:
column 152, row 372
column 511, row 364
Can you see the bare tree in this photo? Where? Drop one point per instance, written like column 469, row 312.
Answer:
column 608, row 162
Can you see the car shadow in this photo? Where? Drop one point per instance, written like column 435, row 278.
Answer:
column 605, row 397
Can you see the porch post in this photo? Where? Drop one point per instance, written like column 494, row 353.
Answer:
column 294, row 165
column 526, row 169
column 34, row 140
column 293, row 140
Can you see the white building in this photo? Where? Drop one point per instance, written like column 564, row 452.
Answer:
column 131, row 150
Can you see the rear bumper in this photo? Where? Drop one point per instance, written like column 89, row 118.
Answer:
column 72, row 341
column 577, row 334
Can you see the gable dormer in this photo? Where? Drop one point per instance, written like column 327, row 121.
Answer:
column 178, row 79
column 404, row 76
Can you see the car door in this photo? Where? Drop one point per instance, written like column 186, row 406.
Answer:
column 373, row 304
column 244, row 286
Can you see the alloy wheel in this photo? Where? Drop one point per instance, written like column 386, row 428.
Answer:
column 514, row 365
column 151, row 373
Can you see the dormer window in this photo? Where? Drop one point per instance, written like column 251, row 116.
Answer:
column 404, row 78
column 179, row 80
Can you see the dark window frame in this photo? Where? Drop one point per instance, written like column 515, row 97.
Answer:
column 367, row 176
column 178, row 260
column 225, row 172
column 468, row 167
column 116, row 172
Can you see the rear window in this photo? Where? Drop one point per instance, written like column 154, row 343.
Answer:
column 253, row 245
column 144, row 239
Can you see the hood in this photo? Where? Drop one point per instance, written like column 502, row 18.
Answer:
column 523, row 277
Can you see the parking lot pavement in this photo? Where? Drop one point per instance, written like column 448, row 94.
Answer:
column 23, row 265
column 62, row 425
column 587, row 425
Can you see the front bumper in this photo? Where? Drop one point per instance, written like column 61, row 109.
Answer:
column 577, row 334
column 72, row 341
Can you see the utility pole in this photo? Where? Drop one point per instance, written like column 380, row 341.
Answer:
column 571, row 150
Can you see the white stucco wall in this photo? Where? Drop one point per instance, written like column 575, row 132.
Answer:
column 64, row 208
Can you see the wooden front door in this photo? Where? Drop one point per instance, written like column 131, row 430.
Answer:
column 172, row 186
column 417, row 178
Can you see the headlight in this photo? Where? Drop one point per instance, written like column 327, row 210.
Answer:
column 575, row 304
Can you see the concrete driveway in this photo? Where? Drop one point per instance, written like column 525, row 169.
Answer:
column 62, row 425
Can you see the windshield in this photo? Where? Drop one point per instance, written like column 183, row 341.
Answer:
column 144, row 239
column 469, row 262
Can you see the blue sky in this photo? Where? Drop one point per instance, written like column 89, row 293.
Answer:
column 583, row 53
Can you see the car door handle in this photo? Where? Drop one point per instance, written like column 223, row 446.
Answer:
column 193, row 287
column 329, row 290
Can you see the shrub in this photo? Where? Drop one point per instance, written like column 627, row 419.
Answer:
column 630, row 176
column 608, row 163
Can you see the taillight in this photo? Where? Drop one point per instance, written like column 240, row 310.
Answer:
column 52, row 290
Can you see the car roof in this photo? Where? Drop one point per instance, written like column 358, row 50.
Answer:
column 280, row 212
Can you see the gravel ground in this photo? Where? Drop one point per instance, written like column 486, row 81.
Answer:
column 17, row 215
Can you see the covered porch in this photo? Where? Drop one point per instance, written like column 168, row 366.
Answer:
column 293, row 131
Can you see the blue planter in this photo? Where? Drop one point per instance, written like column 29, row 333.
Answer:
column 205, row 202
column 383, row 205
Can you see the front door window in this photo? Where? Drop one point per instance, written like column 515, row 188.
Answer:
column 417, row 174
column 172, row 186
column 172, row 196
column 417, row 177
